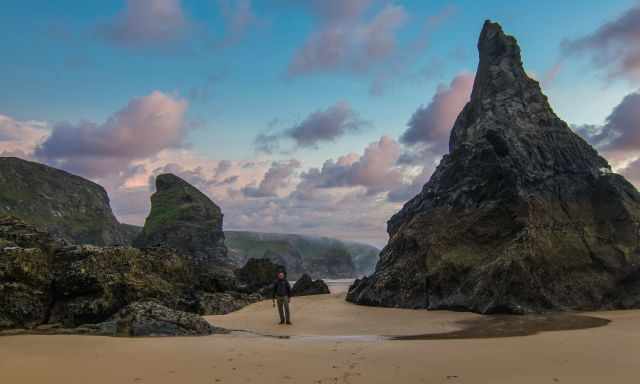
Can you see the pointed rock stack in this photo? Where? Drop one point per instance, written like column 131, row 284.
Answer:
column 521, row 216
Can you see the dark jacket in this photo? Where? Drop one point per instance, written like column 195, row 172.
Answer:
column 281, row 288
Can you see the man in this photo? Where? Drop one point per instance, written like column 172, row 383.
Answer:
column 282, row 294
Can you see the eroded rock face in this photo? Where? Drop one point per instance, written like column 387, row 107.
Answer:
column 221, row 303
column 25, row 273
column 306, row 286
column 521, row 216
column 138, row 319
column 149, row 318
column 65, row 205
column 91, row 283
column 46, row 281
column 185, row 219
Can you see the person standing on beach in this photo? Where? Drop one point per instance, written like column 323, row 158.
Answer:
column 282, row 296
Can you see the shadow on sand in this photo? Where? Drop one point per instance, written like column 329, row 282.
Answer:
column 497, row 326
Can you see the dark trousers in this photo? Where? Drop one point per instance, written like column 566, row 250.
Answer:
column 283, row 309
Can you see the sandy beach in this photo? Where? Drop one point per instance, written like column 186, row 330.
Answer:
column 332, row 342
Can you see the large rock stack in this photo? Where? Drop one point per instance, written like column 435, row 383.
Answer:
column 521, row 216
column 185, row 219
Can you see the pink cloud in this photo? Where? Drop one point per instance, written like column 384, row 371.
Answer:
column 141, row 129
column 431, row 125
column 279, row 176
column 375, row 170
column 147, row 22
column 332, row 11
column 619, row 138
column 345, row 40
column 21, row 138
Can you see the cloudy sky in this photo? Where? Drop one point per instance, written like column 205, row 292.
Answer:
column 309, row 116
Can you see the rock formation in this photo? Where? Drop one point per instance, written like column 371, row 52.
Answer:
column 521, row 216
column 63, row 204
column 150, row 318
column 54, row 286
column 26, row 258
column 306, row 286
column 139, row 319
column 185, row 219
column 44, row 281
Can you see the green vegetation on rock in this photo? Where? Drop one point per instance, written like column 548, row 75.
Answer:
column 63, row 204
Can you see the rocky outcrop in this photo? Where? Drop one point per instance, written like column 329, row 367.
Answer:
column 26, row 258
column 47, row 281
column 221, row 303
column 185, row 219
column 90, row 284
column 150, row 318
column 306, row 286
column 65, row 205
column 521, row 216
column 139, row 319
column 181, row 263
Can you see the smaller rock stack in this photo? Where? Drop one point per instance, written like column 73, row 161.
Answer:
column 185, row 219
column 305, row 286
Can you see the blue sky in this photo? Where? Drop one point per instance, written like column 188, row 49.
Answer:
column 60, row 66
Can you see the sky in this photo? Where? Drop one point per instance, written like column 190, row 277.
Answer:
column 319, row 117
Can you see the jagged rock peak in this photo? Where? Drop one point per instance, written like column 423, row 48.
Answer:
column 508, row 110
column 499, row 57
column 521, row 216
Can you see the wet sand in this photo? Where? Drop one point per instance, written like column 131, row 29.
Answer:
column 331, row 315
column 321, row 350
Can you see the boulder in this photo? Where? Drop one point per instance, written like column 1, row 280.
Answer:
column 306, row 286
column 521, row 216
column 138, row 319
column 221, row 303
column 149, row 318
